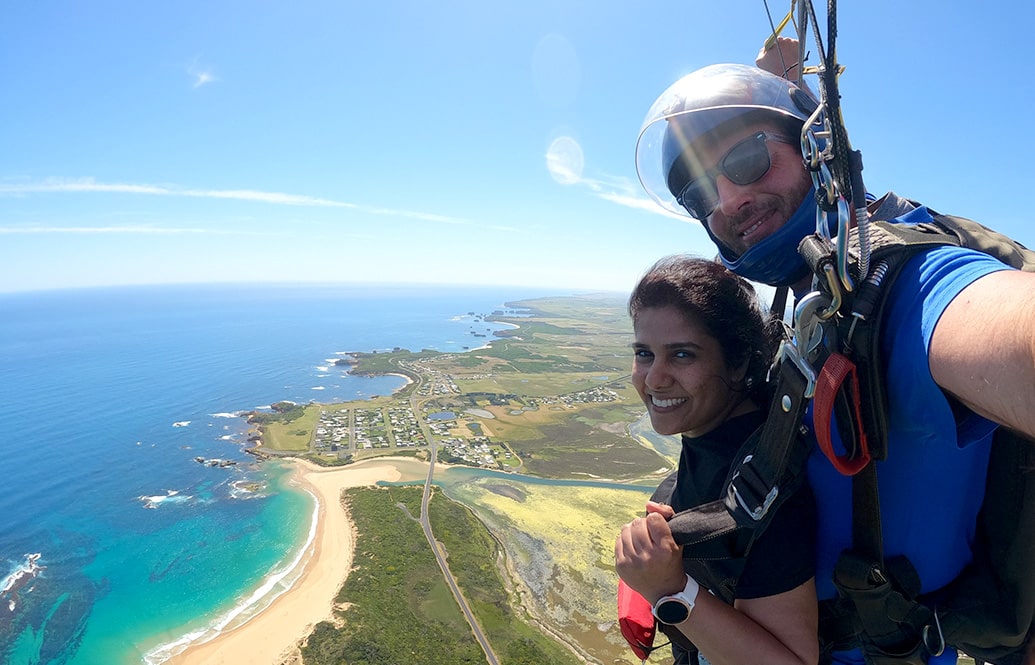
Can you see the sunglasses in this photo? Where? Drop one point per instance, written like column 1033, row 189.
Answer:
column 744, row 163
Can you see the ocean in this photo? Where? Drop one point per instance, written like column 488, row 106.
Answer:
column 116, row 546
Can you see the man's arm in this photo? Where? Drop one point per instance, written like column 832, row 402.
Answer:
column 781, row 58
column 983, row 349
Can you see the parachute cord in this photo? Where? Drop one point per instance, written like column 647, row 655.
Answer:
column 803, row 33
column 772, row 40
column 846, row 164
column 851, row 160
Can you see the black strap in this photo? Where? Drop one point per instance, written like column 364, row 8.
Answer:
column 878, row 606
column 867, row 536
column 779, row 303
column 751, row 486
column 771, row 467
column 889, row 621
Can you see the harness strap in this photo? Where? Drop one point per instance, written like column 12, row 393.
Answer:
column 879, row 607
column 772, row 466
column 867, row 536
column 891, row 621
column 755, row 484
column 779, row 302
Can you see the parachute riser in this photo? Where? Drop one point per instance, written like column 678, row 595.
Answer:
column 836, row 169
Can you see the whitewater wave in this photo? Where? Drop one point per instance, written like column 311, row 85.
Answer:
column 273, row 586
column 247, row 489
column 20, row 579
column 181, row 423
column 170, row 496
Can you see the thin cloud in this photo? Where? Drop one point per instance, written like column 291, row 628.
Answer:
column 201, row 78
column 278, row 198
column 428, row 217
column 100, row 230
column 89, row 185
column 641, row 203
column 200, row 75
column 565, row 162
column 626, row 193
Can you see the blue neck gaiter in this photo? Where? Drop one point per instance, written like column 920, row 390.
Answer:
column 775, row 260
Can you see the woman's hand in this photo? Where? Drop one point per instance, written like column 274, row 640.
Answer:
column 647, row 557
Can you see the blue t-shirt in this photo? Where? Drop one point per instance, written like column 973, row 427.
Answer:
column 932, row 483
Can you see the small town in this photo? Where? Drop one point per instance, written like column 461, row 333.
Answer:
column 453, row 418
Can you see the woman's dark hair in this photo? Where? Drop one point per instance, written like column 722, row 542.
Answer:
column 726, row 305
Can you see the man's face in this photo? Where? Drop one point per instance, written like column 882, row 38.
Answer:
column 747, row 214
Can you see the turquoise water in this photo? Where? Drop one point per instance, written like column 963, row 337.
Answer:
column 115, row 545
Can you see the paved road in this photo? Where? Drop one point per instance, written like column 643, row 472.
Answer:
column 425, row 523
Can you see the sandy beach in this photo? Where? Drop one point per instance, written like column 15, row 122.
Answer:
column 271, row 636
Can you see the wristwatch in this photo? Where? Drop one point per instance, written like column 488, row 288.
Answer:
column 675, row 609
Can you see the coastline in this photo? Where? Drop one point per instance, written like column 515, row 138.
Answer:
column 273, row 635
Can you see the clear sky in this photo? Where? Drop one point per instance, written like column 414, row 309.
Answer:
column 452, row 142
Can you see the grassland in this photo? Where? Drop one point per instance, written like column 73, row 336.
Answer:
column 559, row 544
column 396, row 608
column 476, row 560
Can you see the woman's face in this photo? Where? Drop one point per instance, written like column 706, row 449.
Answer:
column 680, row 373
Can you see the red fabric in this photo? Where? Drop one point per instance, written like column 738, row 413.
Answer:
column 836, row 370
column 636, row 620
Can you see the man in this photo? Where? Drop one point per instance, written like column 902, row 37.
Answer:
column 721, row 145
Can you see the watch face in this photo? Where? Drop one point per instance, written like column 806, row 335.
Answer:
column 672, row 611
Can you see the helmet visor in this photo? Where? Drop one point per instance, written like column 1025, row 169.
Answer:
column 707, row 102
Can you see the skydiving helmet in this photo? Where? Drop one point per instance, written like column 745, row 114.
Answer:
column 711, row 101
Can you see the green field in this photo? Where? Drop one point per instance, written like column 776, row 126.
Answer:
column 396, row 603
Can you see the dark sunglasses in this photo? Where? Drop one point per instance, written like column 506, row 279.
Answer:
column 744, row 163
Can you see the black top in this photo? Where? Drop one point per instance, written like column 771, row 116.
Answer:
column 784, row 555
column 782, row 558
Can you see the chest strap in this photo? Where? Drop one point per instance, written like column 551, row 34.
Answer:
column 771, row 467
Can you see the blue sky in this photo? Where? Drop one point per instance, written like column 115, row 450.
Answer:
column 396, row 141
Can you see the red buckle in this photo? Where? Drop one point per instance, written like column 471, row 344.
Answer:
column 831, row 380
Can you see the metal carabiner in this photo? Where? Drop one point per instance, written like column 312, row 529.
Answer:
column 808, row 333
column 844, row 217
column 810, row 151
column 789, row 352
column 809, row 314
column 830, row 272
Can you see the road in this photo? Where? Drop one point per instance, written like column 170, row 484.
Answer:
column 425, row 523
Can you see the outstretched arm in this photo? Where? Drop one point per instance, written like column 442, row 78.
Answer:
column 779, row 629
column 781, row 59
column 982, row 350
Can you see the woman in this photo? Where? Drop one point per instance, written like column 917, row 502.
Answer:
column 702, row 348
